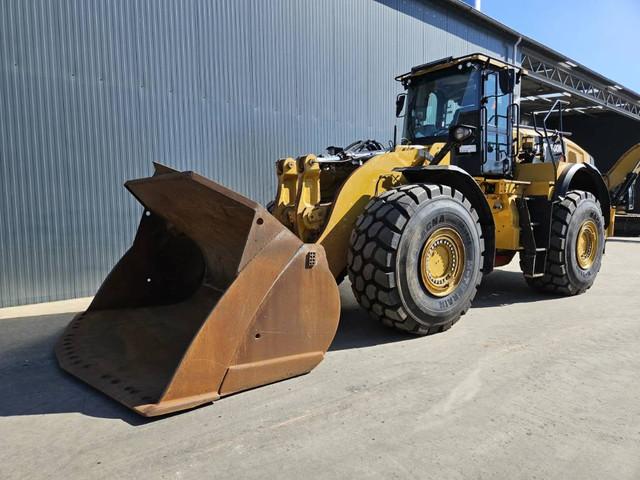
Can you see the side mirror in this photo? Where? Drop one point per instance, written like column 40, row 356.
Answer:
column 400, row 103
column 507, row 79
column 460, row 133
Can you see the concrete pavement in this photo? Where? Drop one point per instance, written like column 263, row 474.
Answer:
column 524, row 386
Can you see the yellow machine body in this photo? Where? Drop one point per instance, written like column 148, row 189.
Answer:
column 300, row 206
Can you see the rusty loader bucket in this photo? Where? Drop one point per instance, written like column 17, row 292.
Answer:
column 214, row 297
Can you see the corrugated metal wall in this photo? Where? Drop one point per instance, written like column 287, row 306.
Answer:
column 91, row 92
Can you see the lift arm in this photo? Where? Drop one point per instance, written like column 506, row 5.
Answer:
column 623, row 173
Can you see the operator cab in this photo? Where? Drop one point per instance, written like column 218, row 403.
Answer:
column 474, row 92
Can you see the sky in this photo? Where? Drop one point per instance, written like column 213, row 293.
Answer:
column 602, row 35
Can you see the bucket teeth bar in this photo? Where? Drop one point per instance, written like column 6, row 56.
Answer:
column 214, row 297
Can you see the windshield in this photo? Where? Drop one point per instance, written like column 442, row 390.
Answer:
column 437, row 102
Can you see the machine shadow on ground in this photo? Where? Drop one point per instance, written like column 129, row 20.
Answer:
column 503, row 287
column 31, row 383
column 357, row 330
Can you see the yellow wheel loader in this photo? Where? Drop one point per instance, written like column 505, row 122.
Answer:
column 217, row 295
column 621, row 181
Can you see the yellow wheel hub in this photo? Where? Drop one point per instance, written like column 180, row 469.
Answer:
column 442, row 262
column 587, row 244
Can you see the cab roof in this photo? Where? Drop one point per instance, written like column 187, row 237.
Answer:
column 448, row 62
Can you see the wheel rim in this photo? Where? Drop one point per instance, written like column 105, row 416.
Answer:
column 442, row 262
column 587, row 244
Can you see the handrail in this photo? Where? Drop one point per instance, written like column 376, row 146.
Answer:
column 557, row 104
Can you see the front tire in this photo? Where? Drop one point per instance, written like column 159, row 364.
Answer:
column 576, row 246
column 415, row 257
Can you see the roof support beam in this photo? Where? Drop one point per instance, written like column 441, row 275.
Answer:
column 555, row 75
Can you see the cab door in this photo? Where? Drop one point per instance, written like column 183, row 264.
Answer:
column 497, row 128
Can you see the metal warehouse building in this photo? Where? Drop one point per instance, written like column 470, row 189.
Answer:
column 91, row 92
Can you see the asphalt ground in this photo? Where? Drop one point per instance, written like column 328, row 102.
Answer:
column 524, row 386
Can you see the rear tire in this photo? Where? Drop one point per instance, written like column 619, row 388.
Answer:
column 386, row 262
column 571, row 268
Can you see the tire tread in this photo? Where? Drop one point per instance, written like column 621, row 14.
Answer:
column 556, row 279
column 376, row 290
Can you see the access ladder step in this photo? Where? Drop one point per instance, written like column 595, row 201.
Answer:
column 534, row 275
